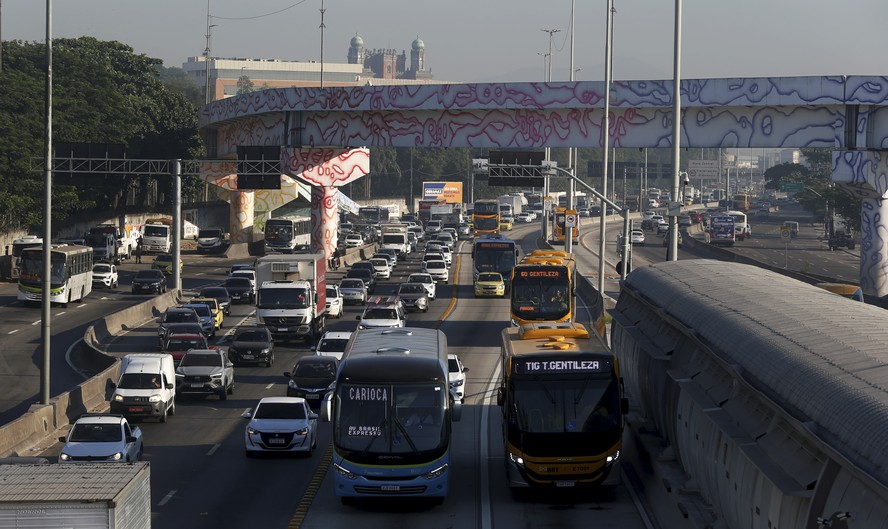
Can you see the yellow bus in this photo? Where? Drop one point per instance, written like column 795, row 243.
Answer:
column 563, row 407
column 486, row 217
column 558, row 234
column 542, row 287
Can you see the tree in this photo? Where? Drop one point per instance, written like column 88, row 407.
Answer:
column 104, row 93
column 244, row 85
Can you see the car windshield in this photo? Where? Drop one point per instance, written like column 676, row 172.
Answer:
column 237, row 282
column 280, row 410
column 179, row 344
column 436, row 264
column 202, row 310
column 214, row 292
column 421, row 278
column 351, row 283
column 191, row 360
column 314, row 369
column 332, row 344
column 139, row 381
column 179, row 317
column 101, row 269
column 149, row 274
column 379, row 263
column 490, row 277
column 331, row 292
column 251, row 336
column 96, row 433
column 381, row 314
column 411, row 289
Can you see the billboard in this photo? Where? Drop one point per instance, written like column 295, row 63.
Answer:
column 703, row 169
column 450, row 192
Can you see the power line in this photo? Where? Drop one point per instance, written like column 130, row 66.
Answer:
column 262, row 16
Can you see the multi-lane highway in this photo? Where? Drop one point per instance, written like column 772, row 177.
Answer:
column 201, row 478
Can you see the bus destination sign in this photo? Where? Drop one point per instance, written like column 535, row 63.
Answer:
column 561, row 366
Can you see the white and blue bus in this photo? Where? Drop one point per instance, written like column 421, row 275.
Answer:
column 392, row 409
column 288, row 234
column 70, row 273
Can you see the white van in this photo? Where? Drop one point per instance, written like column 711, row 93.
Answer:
column 147, row 386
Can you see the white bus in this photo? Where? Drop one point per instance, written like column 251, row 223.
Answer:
column 287, row 234
column 742, row 231
column 70, row 274
column 18, row 246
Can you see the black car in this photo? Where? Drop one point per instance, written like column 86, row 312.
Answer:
column 240, row 289
column 364, row 275
column 149, row 280
column 251, row 345
column 311, row 378
column 221, row 295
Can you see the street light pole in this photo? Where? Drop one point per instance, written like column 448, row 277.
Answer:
column 602, row 233
column 45, row 316
column 322, row 43
column 672, row 254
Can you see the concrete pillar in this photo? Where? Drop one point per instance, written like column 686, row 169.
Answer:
column 864, row 174
column 241, row 229
column 324, row 219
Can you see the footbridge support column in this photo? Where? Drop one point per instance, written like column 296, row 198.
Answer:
column 864, row 174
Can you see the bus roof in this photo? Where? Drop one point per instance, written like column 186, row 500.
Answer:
column 551, row 339
column 373, row 355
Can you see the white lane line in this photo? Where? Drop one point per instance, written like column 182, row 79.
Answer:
column 269, row 386
column 484, row 450
column 36, row 322
column 213, row 450
column 166, row 498
column 13, row 331
column 60, row 313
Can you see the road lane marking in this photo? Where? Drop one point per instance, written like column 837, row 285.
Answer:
column 60, row 313
column 13, row 331
column 166, row 498
column 269, row 386
column 36, row 322
column 213, row 450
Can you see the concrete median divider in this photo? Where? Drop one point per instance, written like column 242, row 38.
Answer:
column 40, row 423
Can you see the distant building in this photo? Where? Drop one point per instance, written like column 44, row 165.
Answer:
column 231, row 76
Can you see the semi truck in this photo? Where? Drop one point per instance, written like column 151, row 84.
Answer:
column 291, row 296
column 511, row 205
column 97, row 495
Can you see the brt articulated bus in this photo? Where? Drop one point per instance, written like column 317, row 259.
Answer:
column 542, row 288
column 563, row 407
column 494, row 253
column 392, row 409
column 486, row 217
column 70, row 274
column 287, row 234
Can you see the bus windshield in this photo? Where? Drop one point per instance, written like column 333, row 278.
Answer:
column 32, row 268
column 486, row 208
column 494, row 257
column 278, row 231
column 541, row 293
column 390, row 422
column 486, row 224
column 588, row 405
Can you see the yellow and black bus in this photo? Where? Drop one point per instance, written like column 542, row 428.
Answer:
column 486, row 217
column 563, row 407
column 542, row 287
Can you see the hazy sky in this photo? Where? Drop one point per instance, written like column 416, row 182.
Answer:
column 493, row 40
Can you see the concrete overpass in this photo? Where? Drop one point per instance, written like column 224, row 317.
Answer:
column 326, row 133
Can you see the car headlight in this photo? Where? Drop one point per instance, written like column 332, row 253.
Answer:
column 252, row 431
column 265, row 351
column 64, row 457
column 457, row 383
column 438, row 472
column 154, row 398
column 344, row 472
column 292, row 384
column 217, row 376
column 117, row 398
column 302, row 431
column 115, row 457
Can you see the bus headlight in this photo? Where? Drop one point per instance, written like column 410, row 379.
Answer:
column 438, row 472
column 344, row 472
column 611, row 459
column 516, row 460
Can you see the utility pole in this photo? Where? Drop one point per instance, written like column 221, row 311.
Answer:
column 322, row 43
column 605, row 128
column 548, row 77
column 209, row 35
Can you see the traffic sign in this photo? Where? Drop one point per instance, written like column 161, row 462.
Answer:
column 792, row 187
column 570, row 221
column 785, row 234
column 703, row 169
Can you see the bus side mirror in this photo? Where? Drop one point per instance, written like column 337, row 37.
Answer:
column 456, row 408
column 624, row 406
column 327, row 407
column 499, row 396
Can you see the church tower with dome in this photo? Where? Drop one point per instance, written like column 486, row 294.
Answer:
column 388, row 63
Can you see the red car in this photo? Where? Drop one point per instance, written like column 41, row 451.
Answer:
column 178, row 344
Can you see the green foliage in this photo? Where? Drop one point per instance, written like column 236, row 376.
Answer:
column 102, row 93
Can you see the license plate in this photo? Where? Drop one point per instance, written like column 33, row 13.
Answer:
column 197, row 385
column 312, row 396
column 283, row 329
column 249, row 357
column 393, row 488
column 135, row 409
column 565, row 483
column 275, row 441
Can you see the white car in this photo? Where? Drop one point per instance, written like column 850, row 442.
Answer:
column 448, row 255
column 391, row 253
column 332, row 343
column 281, row 424
column 353, row 240
column 662, row 227
column 636, row 237
column 445, row 238
column 105, row 275
column 101, row 438
column 426, row 281
column 335, row 303
column 524, row 216
column 382, row 268
column 383, row 315
column 353, row 290
column 457, row 376
column 437, row 268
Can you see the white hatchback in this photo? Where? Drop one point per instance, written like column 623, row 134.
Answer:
column 426, row 281
column 457, row 376
column 381, row 267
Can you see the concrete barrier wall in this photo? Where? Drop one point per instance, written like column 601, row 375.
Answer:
column 42, row 421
